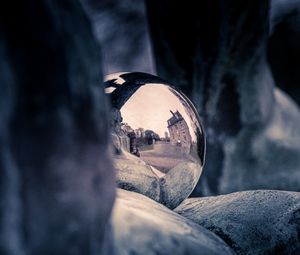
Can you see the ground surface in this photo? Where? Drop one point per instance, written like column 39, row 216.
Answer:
column 164, row 156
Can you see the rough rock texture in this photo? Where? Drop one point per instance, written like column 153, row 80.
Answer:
column 250, row 222
column 142, row 226
column 217, row 56
column 56, row 178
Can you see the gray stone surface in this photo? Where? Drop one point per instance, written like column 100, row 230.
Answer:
column 134, row 174
column 267, row 156
column 142, row 226
column 121, row 28
column 251, row 222
column 177, row 184
column 56, row 179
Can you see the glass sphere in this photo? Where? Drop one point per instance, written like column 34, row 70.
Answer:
column 157, row 135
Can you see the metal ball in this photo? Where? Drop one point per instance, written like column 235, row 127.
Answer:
column 157, row 135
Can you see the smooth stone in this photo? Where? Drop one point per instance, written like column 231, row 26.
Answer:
column 250, row 222
column 176, row 184
column 171, row 189
column 134, row 175
column 143, row 226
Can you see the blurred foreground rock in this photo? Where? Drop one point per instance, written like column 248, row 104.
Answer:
column 56, row 178
column 250, row 222
column 142, row 226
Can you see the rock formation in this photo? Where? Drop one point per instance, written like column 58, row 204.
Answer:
column 217, row 56
column 142, row 226
column 250, row 222
column 56, row 178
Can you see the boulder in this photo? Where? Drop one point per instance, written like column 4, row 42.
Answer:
column 250, row 222
column 143, row 226
column 170, row 189
column 176, row 185
column 54, row 140
column 134, row 175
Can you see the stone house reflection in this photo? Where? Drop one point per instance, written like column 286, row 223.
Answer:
column 179, row 131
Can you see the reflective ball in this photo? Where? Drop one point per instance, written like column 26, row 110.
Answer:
column 157, row 135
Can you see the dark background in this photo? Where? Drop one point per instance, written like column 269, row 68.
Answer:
column 122, row 30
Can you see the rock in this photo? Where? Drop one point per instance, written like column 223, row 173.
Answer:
column 170, row 189
column 284, row 46
column 122, row 37
column 119, row 142
column 55, row 163
column 116, row 141
column 250, row 222
column 177, row 183
column 134, row 175
column 142, row 226
column 267, row 156
column 252, row 128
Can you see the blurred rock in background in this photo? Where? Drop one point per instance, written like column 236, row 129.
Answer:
column 217, row 56
column 284, row 46
column 121, row 28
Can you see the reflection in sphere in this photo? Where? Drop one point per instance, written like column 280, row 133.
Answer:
column 159, row 141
